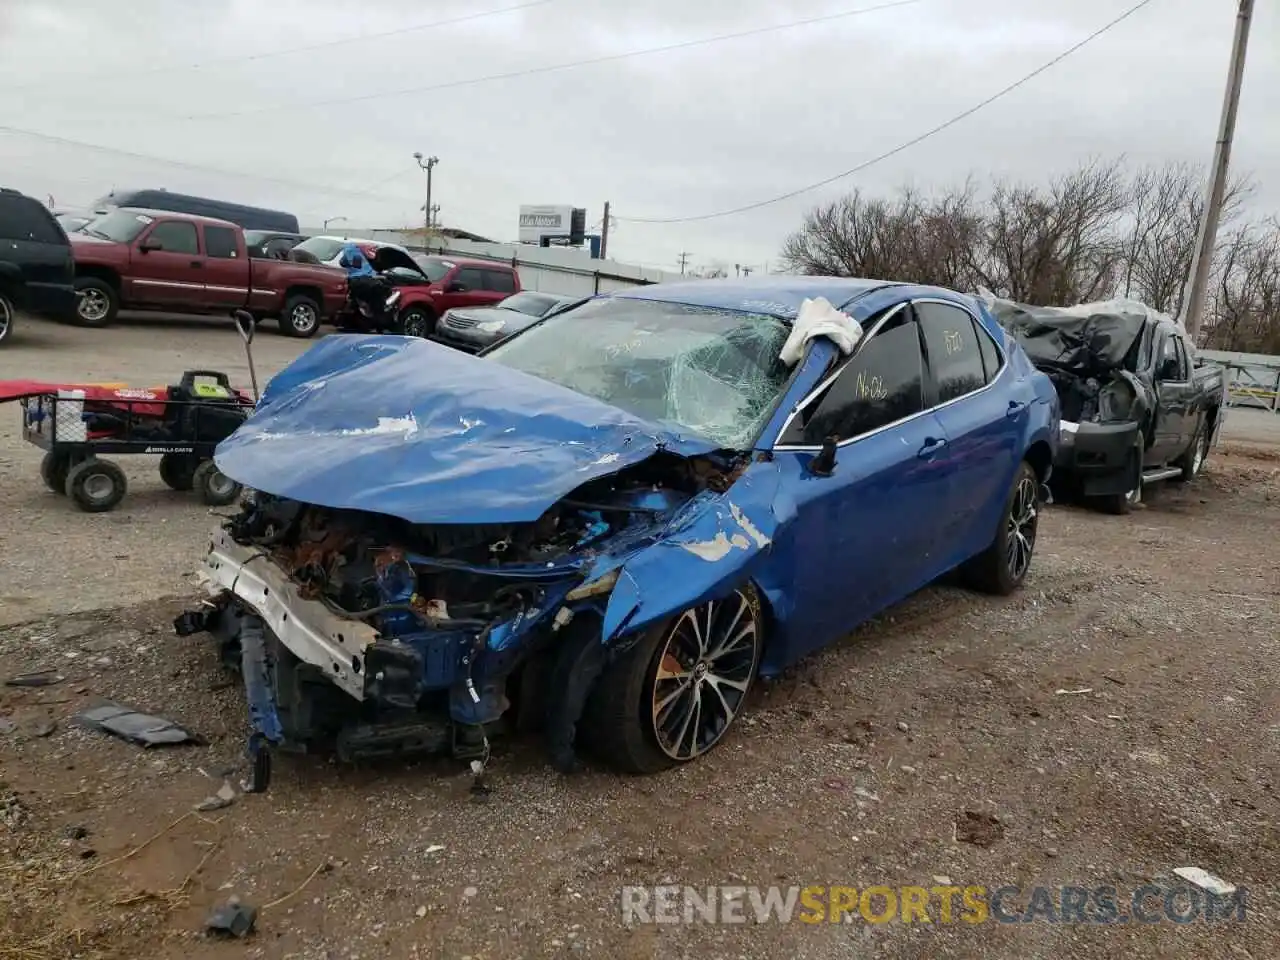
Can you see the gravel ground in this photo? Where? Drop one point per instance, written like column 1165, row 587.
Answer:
column 933, row 743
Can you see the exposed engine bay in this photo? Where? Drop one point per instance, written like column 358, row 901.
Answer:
column 371, row 635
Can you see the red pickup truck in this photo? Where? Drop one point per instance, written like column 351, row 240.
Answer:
column 152, row 260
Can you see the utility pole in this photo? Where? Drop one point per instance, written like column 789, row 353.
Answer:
column 684, row 260
column 428, row 164
column 1193, row 309
column 435, row 217
column 604, row 233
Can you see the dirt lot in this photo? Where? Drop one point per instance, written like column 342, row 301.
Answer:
column 860, row 767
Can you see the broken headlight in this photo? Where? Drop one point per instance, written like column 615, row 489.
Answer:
column 595, row 587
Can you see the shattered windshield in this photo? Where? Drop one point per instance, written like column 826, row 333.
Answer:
column 715, row 373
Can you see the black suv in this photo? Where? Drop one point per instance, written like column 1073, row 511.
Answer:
column 37, row 272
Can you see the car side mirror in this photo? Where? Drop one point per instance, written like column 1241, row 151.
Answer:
column 824, row 463
column 1169, row 369
column 146, row 246
column 456, row 287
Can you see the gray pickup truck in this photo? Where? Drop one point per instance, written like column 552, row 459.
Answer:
column 1137, row 407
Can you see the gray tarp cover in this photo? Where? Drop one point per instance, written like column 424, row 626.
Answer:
column 1091, row 340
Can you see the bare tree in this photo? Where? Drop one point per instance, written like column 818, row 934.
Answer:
column 911, row 238
column 1244, row 309
column 1164, row 211
column 1098, row 232
column 1056, row 245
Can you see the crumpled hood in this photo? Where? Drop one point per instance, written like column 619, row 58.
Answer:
column 414, row 429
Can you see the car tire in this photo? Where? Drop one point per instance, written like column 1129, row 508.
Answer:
column 417, row 322
column 215, row 488
column 96, row 485
column 97, row 304
column 1002, row 567
column 8, row 316
column 633, row 714
column 54, row 468
column 301, row 317
column 177, row 470
column 1193, row 460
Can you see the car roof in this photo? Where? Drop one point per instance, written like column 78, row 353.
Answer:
column 468, row 262
column 781, row 296
column 773, row 295
column 173, row 215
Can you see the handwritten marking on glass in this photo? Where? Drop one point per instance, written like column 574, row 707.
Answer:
column 870, row 386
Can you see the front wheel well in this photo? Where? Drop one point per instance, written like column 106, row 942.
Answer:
column 105, row 274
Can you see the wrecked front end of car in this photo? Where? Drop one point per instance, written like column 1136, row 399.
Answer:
column 1089, row 353
column 420, row 585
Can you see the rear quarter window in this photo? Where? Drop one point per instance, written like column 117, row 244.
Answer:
column 22, row 218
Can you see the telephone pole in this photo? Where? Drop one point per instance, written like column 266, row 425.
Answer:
column 604, row 233
column 684, row 260
column 428, row 164
column 1193, row 310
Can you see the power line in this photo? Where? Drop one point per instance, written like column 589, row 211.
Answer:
column 99, row 148
column 533, row 71
column 287, row 51
column 902, row 146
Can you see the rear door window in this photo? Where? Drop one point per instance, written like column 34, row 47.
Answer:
column 22, row 218
column 955, row 356
column 220, row 242
column 500, row 281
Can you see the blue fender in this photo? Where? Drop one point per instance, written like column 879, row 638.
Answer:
column 713, row 549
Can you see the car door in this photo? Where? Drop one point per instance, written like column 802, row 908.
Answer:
column 1173, row 388
column 166, row 267
column 866, row 535
column 226, row 270
column 983, row 426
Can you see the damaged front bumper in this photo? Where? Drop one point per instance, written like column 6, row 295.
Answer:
column 316, row 677
column 1099, row 455
column 309, row 630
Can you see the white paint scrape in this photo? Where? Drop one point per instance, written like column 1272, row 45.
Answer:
column 751, row 529
column 818, row 318
column 719, row 546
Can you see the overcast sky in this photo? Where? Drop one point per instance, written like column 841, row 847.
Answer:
column 672, row 134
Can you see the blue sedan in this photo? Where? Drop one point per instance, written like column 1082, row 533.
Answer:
column 613, row 523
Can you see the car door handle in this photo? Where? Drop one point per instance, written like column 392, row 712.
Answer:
column 932, row 446
column 197, row 263
column 1015, row 407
